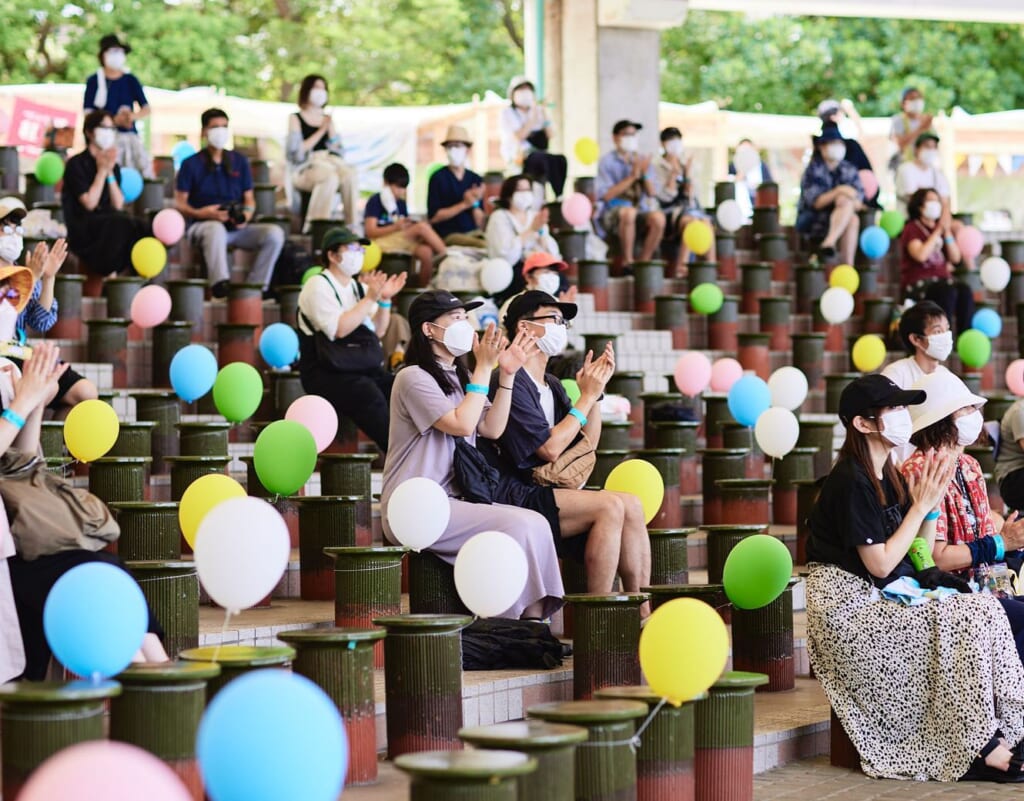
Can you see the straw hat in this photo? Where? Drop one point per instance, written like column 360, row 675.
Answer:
column 22, row 280
column 456, row 134
column 945, row 393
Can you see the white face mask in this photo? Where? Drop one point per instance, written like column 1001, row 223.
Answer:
column 629, row 144
column 968, row 428
column 114, row 59
column 351, row 262
column 915, row 106
column 940, row 346
column 523, row 98
column 8, row 320
column 548, row 282
column 219, row 137
column 554, row 340
column 522, row 201
column 318, row 97
column 458, row 338
column 457, row 155
column 931, row 210
column 897, row 427
column 929, row 157
column 674, row 147
column 11, row 246
column 104, row 138
column 835, row 152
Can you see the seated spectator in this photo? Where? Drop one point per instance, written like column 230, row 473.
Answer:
column 526, row 133
column 214, row 192
column 353, row 314
column 436, row 399
column 885, row 666
column 386, row 222
column 928, row 251
column 32, row 576
column 845, row 118
column 752, row 178
column 516, row 229
column 928, row 340
column 677, row 196
column 314, row 150
column 908, row 125
column 603, row 530
column 830, row 197
column 544, row 273
column 115, row 90
column 625, row 189
column 100, row 234
column 455, row 194
column 1009, row 469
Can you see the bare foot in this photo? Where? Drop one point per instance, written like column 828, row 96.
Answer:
column 999, row 758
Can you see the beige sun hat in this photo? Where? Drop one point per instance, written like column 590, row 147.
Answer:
column 945, row 393
column 11, row 205
column 456, row 134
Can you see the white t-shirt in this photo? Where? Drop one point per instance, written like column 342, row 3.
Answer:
column 319, row 304
column 911, row 176
column 905, row 372
column 547, row 401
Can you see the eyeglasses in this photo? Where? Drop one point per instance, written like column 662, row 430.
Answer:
column 13, row 229
column 556, row 319
column 354, row 246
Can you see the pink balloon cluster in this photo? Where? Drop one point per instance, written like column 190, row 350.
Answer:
column 168, row 226
column 1015, row 377
column 576, row 209
column 724, row 373
column 316, row 414
column 693, row 373
column 150, row 306
column 970, row 241
column 870, row 183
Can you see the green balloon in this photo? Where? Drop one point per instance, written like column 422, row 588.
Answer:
column 974, row 348
column 284, row 457
column 756, row 571
column 49, row 168
column 706, row 298
column 237, row 392
column 432, row 168
column 892, row 223
column 572, row 389
column 311, row 272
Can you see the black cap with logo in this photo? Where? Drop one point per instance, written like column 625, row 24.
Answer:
column 875, row 391
column 431, row 305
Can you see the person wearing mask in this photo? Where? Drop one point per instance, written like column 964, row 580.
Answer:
column 751, row 171
column 112, row 88
column 545, row 273
column 923, row 171
column 516, row 229
column 342, row 311
column 436, row 399
column 845, row 118
column 526, row 134
column 928, row 340
column 455, row 194
column 908, row 125
column 831, row 194
column 214, row 193
column 928, row 251
column 1009, row 470
column 100, row 234
column 314, row 150
column 889, row 669
column 625, row 190
column 676, row 195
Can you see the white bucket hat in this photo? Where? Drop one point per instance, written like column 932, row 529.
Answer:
column 945, row 393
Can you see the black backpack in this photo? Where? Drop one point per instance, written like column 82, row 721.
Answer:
column 500, row 644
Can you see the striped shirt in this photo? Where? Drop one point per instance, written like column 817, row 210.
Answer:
column 34, row 316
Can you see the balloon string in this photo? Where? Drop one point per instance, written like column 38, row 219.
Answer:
column 223, row 631
column 633, row 742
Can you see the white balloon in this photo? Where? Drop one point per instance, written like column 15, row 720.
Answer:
column 788, row 386
column 995, row 274
column 495, row 275
column 776, row 431
column 490, row 573
column 746, row 158
column 418, row 512
column 729, row 216
column 242, row 549
column 836, row 305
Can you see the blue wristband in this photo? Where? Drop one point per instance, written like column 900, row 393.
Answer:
column 111, row 179
column 1000, row 547
column 384, row 304
column 932, row 515
column 579, row 416
column 13, row 418
column 480, row 389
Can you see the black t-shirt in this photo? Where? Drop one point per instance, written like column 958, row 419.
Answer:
column 527, row 428
column 847, row 515
column 79, row 173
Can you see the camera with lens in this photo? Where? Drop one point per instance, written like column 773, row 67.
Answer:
column 236, row 214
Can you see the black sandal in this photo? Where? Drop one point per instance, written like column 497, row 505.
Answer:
column 980, row 772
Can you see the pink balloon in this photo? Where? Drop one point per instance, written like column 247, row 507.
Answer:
column 150, row 306
column 725, row 373
column 576, row 209
column 168, row 226
column 1015, row 377
column 316, row 414
column 102, row 770
column 693, row 372
column 970, row 241
column 870, row 183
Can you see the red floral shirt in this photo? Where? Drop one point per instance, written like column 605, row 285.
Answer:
column 957, row 509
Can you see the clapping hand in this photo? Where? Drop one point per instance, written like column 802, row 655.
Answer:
column 930, row 487
column 45, row 262
column 517, row 353
column 39, row 376
column 594, row 375
column 1012, row 532
column 392, row 286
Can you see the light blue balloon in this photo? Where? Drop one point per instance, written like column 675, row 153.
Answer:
column 270, row 735
column 874, row 241
column 988, row 322
column 180, row 152
column 748, row 398
column 193, row 371
column 95, row 618
column 131, row 184
column 279, row 345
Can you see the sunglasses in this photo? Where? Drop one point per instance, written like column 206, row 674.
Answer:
column 8, row 228
column 9, row 293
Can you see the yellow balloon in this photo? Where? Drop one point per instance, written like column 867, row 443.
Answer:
column 200, row 497
column 683, row 649
column 90, row 430
column 868, row 353
column 845, row 277
column 586, row 150
column 639, row 478
column 371, row 257
column 149, row 256
column 698, row 237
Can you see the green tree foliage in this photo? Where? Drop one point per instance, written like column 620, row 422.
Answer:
column 787, row 65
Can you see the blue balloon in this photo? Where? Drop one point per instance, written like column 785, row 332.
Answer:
column 272, row 734
column 988, row 322
column 193, row 371
column 748, row 398
column 874, row 241
column 180, row 152
column 94, row 619
column 279, row 345
column 131, row 184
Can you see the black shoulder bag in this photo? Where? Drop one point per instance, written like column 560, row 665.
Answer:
column 476, row 478
column 359, row 352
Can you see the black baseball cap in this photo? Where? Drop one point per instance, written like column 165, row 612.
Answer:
column 431, row 305
column 111, row 42
column 874, row 392
column 528, row 302
column 671, row 133
column 924, row 137
column 618, row 127
column 341, row 236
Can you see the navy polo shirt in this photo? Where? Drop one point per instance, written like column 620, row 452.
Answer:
column 445, row 190
column 123, row 91
column 210, row 184
column 527, row 428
